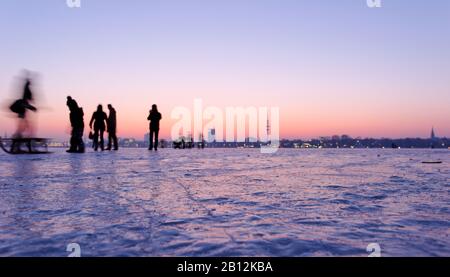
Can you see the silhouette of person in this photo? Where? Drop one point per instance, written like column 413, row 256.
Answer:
column 20, row 107
column 99, row 118
column 154, row 117
column 111, row 128
column 77, row 123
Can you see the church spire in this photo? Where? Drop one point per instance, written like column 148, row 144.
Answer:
column 433, row 135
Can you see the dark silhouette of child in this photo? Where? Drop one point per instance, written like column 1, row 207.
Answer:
column 99, row 118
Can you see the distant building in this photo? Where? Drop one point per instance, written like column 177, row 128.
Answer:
column 336, row 137
column 433, row 135
column 128, row 143
column 147, row 139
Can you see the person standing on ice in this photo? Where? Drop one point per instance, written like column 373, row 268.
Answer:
column 99, row 118
column 112, row 128
column 154, row 117
column 77, row 123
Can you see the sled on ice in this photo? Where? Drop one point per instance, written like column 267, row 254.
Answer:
column 17, row 146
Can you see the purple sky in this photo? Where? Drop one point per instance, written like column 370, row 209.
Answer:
column 332, row 67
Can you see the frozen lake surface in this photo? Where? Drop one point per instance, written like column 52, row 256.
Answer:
column 226, row 202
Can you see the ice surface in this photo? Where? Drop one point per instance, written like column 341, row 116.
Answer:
column 226, row 202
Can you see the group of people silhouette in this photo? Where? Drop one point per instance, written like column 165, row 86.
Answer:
column 98, row 120
column 99, row 123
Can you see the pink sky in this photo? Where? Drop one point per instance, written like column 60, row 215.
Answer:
column 331, row 67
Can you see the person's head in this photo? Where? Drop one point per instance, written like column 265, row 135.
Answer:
column 27, row 82
column 110, row 106
column 99, row 108
column 71, row 103
column 154, row 107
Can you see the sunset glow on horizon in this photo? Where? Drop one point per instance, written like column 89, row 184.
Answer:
column 332, row 67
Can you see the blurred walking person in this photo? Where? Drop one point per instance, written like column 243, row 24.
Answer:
column 77, row 123
column 112, row 129
column 20, row 107
column 154, row 117
column 99, row 118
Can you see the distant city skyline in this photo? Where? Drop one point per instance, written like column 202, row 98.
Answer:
column 210, row 137
column 332, row 67
column 343, row 141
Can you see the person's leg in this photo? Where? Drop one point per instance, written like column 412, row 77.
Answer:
column 102, row 142
column 22, row 132
column 109, row 141
column 150, row 146
column 26, row 127
column 80, row 143
column 29, row 128
column 73, row 141
column 29, row 146
column 96, row 133
column 20, row 128
column 156, row 139
column 116, row 143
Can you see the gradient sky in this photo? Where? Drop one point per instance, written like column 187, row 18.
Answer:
column 332, row 67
